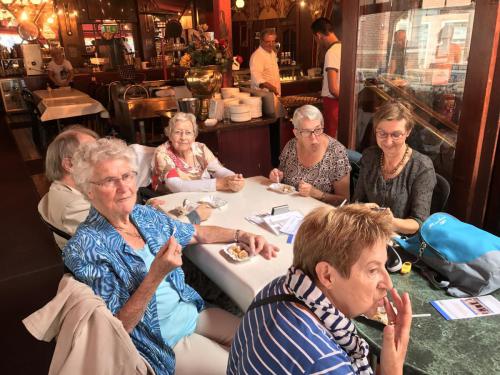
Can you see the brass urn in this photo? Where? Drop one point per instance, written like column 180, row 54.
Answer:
column 203, row 82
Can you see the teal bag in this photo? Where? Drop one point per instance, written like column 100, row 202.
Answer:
column 468, row 257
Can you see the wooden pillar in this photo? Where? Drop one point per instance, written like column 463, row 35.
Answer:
column 223, row 30
column 348, row 101
column 478, row 125
column 222, row 20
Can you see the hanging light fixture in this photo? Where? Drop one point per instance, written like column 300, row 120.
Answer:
column 7, row 2
column 36, row 2
column 23, row 16
column 240, row 3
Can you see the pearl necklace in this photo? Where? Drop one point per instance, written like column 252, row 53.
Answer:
column 390, row 173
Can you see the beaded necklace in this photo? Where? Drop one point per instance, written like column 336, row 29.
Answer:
column 390, row 173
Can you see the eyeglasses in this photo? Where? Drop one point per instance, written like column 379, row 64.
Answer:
column 269, row 42
column 180, row 133
column 309, row 133
column 395, row 135
column 111, row 182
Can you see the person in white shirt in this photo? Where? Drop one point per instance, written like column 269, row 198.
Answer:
column 323, row 32
column 64, row 206
column 59, row 69
column 264, row 70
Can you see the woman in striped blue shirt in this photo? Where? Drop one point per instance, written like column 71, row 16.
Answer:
column 300, row 323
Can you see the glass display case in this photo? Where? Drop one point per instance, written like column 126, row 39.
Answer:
column 419, row 55
column 12, row 98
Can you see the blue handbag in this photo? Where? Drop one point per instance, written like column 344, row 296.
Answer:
column 468, row 257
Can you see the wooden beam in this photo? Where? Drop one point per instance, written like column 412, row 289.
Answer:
column 348, row 101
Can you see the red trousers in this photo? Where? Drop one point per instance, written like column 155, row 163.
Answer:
column 331, row 115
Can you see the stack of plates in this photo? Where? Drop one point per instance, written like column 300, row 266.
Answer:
column 241, row 95
column 255, row 104
column 240, row 113
column 229, row 92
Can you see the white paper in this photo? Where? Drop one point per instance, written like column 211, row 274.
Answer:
column 469, row 307
column 277, row 222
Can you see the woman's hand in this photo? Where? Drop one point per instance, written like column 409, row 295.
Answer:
column 155, row 203
column 396, row 334
column 276, row 175
column 258, row 245
column 204, row 211
column 168, row 258
column 235, row 182
column 307, row 190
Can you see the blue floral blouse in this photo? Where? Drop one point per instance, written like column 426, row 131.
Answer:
column 99, row 257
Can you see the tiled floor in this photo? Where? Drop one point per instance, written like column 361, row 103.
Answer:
column 30, row 264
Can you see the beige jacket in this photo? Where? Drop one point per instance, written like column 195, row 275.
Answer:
column 90, row 340
column 65, row 208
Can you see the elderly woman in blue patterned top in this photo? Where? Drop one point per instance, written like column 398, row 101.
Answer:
column 131, row 256
column 313, row 162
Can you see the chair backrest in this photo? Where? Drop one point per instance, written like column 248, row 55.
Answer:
column 354, row 159
column 144, row 157
column 440, row 194
column 55, row 230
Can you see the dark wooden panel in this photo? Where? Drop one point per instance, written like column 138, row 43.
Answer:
column 246, row 150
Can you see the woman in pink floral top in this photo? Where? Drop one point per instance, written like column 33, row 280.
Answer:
column 181, row 164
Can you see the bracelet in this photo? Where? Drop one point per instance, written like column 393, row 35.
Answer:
column 237, row 235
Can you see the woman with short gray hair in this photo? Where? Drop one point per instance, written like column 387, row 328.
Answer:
column 181, row 164
column 313, row 162
column 130, row 255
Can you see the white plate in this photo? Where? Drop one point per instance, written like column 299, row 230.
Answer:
column 214, row 202
column 227, row 250
column 282, row 188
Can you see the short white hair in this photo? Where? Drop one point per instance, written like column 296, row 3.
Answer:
column 179, row 117
column 90, row 154
column 309, row 112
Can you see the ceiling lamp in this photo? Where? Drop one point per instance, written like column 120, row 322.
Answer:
column 24, row 16
column 36, row 2
column 240, row 3
column 7, row 2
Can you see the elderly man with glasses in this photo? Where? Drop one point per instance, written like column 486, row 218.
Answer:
column 313, row 162
column 264, row 70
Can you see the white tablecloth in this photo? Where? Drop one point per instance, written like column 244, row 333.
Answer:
column 65, row 103
column 65, row 92
column 242, row 281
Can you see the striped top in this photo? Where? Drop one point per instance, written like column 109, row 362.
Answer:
column 283, row 338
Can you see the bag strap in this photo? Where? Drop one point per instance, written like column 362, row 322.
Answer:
column 276, row 298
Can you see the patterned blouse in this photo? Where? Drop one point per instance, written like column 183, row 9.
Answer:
column 333, row 167
column 166, row 164
column 98, row 256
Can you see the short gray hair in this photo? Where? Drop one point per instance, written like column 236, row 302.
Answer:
column 90, row 154
column 267, row 31
column 178, row 117
column 63, row 146
column 306, row 111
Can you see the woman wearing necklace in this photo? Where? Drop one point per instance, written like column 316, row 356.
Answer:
column 393, row 175
column 181, row 164
column 130, row 255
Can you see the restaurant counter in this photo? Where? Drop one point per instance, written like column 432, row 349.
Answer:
column 88, row 81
